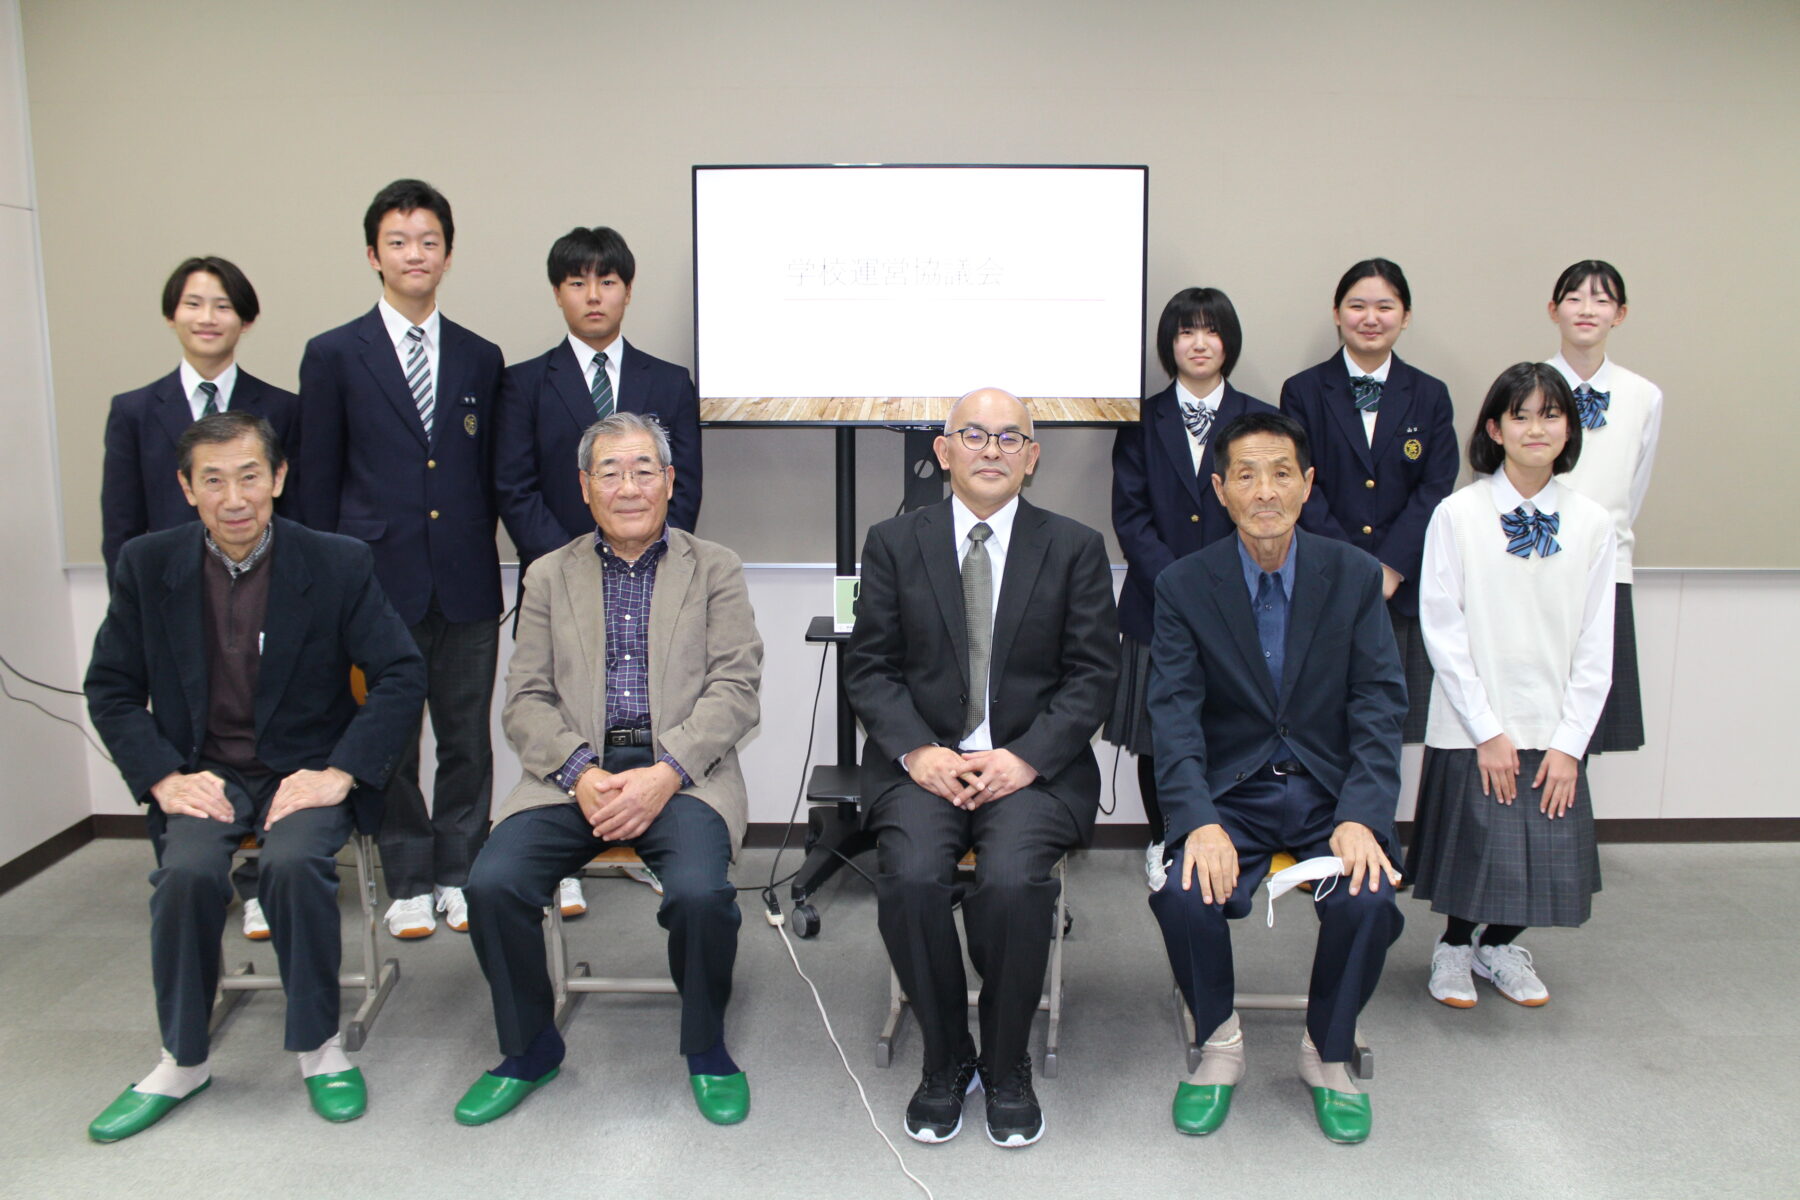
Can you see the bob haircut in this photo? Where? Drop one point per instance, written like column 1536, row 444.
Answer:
column 1277, row 423
column 237, row 286
column 1508, row 396
column 1198, row 308
column 1380, row 268
column 222, row 427
column 404, row 196
column 1605, row 275
column 600, row 250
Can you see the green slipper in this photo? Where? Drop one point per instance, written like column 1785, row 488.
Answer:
column 134, row 1112
column 494, row 1096
column 1344, row 1117
column 338, row 1095
column 723, row 1099
column 1201, row 1108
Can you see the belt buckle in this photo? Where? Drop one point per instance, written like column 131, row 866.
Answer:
column 1275, row 769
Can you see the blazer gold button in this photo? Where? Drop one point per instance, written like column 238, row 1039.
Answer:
column 432, row 463
column 1366, row 528
column 1195, row 518
column 434, row 516
column 1368, row 483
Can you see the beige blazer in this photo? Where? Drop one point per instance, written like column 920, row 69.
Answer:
column 705, row 669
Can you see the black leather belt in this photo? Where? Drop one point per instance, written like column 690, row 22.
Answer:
column 1292, row 766
column 628, row 737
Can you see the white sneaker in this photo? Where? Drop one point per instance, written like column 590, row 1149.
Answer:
column 1510, row 968
column 645, row 876
column 411, row 917
column 256, row 926
column 569, row 897
column 1155, row 873
column 450, row 902
column 1451, row 982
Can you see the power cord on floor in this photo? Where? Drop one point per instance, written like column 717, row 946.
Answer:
column 787, row 828
column 49, row 687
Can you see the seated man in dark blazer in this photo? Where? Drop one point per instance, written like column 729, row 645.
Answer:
column 1275, row 699
column 220, row 682
column 982, row 662
column 398, row 408
column 209, row 304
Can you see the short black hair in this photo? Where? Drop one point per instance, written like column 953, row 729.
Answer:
column 600, row 250
column 1380, row 268
column 405, row 195
column 1611, row 282
column 1198, row 308
column 222, row 427
column 1258, row 421
column 236, row 284
column 1508, row 395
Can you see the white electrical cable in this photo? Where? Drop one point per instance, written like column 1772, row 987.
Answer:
column 786, row 941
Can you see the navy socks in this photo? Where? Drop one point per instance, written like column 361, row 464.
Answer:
column 716, row 1061
column 543, row 1056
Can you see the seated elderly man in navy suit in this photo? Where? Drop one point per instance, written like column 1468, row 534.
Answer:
column 1276, row 698
column 220, row 682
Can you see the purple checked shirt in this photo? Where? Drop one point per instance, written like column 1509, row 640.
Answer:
column 626, row 588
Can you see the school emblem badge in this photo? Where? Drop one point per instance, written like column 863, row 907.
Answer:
column 469, row 428
column 1412, row 448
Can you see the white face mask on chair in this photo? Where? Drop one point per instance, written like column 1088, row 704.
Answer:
column 1328, row 866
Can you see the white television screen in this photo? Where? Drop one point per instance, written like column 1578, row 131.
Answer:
column 877, row 294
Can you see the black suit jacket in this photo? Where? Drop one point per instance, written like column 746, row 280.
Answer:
column 138, row 489
column 545, row 406
column 147, row 681
column 426, row 508
column 1055, row 657
column 1162, row 508
column 1213, row 708
column 1389, row 488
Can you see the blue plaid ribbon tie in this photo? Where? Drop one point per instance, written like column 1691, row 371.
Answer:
column 1367, row 390
column 1591, row 406
column 1533, row 531
column 1199, row 419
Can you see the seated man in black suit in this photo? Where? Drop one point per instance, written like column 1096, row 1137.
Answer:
column 547, row 403
column 1276, row 697
column 209, row 303
column 220, row 682
column 982, row 662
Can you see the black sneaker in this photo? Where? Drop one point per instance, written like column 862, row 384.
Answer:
column 1013, row 1116
column 935, row 1113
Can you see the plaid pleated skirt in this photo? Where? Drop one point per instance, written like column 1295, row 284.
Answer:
column 1417, row 664
column 1129, row 724
column 1504, row 864
column 1622, row 720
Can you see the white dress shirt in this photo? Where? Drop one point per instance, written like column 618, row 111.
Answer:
column 397, row 326
column 1210, row 402
column 1379, row 374
column 585, row 355
column 1615, row 472
column 962, row 520
column 225, row 381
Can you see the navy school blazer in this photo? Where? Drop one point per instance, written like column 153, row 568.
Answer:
column 1378, row 497
column 139, row 492
column 1162, row 508
column 1214, row 713
column 426, row 508
column 545, row 406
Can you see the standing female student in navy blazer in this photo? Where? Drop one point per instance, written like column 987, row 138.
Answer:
column 1163, row 503
column 1384, row 449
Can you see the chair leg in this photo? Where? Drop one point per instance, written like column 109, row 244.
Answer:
column 1053, row 1031
column 884, row 1041
column 376, row 982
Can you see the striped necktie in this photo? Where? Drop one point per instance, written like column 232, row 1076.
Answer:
column 601, row 391
column 978, row 621
column 208, row 392
column 1199, row 419
column 1591, row 405
column 1526, row 532
column 1367, row 390
column 418, row 377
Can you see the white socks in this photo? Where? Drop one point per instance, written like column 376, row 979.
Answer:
column 1221, row 1056
column 1335, row 1075
column 171, row 1080
column 328, row 1059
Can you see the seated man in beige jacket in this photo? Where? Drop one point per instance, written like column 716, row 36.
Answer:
column 634, row 677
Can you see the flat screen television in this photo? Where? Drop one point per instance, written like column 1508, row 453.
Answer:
column 875, row 294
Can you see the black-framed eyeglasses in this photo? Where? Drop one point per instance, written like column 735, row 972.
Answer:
column 1011, row 440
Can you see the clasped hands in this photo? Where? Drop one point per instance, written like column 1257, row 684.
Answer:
column 968, row 779
column 202, row 794
column 1210, row 857
column 620, row 805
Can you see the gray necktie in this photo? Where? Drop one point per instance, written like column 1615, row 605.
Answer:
column 209, row 398
column 601, row 392
column 978, row 620
column 418, row 377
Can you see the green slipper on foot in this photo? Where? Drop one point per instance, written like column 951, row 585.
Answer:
column 1344, row 1117
column 494, row 1096
column 338, row 1095
column 134, row 1112
column 1201, row 1108
column 723, row 1099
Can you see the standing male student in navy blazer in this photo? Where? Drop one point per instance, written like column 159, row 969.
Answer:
column 398, row 408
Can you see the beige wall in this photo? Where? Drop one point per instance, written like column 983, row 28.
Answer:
column 1483, row 147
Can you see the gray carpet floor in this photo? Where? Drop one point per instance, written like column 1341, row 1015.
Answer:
column 1667, row 1063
